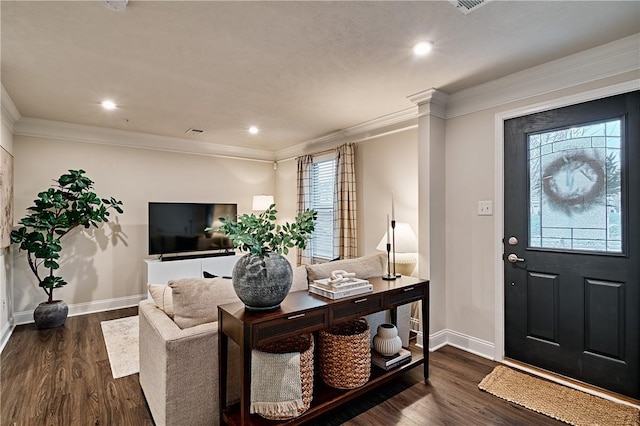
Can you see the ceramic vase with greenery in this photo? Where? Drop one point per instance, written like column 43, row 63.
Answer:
column 262, row 278
column 68, row 203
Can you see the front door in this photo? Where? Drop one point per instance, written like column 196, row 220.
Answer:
column 572, row 241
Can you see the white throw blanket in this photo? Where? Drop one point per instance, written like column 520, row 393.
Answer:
column 276, row 388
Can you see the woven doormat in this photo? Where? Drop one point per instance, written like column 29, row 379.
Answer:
column 559, row 402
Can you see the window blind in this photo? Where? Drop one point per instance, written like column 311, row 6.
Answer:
column 322, row 189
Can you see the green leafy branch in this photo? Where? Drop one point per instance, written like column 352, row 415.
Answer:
column 260, row 234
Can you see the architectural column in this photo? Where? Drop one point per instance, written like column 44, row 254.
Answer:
column 431, row 204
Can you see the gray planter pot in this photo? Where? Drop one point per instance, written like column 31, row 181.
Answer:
column 51, row 315
column 262, row 281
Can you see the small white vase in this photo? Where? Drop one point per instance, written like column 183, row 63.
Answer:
column 386, row 341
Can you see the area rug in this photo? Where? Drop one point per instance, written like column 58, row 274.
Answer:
column 554, row 400
column 121, row 338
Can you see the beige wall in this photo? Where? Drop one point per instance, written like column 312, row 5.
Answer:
column 469, row 237
column 106, row 263
column 286, row 195
column 386, row 165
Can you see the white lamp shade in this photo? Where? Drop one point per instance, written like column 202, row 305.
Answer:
column 262, row 202
column 406, row 240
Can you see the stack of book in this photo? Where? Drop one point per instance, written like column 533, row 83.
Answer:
column 345, row 288
column 388, row 362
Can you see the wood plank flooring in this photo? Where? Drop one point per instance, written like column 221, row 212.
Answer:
column 62, row 377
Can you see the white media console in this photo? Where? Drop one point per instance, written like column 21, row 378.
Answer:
column 160, row 272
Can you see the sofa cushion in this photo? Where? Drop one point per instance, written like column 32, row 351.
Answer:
column 162, row 296
column 196, row 300
column 364, row 267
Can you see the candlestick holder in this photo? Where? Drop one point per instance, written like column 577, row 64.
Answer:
column 388, row 276
column 393, row 238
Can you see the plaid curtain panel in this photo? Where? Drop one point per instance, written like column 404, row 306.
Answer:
column 346, row 235
column 305, row 164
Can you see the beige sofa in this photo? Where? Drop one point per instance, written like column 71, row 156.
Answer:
column 179, row 341
column 179, row 369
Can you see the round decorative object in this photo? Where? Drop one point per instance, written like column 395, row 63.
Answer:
column 262, row 281
column 387, row 342
column 575, row 182
column 50, row 314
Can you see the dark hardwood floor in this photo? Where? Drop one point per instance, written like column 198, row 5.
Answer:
column 62, row 377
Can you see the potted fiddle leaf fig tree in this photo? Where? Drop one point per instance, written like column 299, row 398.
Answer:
column 262, row 278
column 68, row 203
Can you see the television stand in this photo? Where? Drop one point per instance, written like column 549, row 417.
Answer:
column 159, row 272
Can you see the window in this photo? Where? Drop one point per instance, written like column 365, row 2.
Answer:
column 322, row 190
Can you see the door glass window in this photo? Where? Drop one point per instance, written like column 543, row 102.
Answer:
column 575, row 188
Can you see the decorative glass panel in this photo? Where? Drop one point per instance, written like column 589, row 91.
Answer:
column 574, row 188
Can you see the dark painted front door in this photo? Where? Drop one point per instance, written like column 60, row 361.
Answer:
column 572, row 241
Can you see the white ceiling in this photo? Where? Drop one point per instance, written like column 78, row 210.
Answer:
column 298, row 70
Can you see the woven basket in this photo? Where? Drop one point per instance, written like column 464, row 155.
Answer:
column 306, row 369
column 345, row 357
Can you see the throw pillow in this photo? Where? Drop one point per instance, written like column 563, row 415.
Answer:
column 299, row 279
column 364, row 267
column 196, row 300
column 163, row 298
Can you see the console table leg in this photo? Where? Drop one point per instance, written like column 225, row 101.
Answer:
column 223, row 345
column 245, row 376
column 425, row 334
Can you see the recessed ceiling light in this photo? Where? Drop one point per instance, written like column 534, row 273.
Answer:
column 108, row 105
column 254, row 130
column 422, row 48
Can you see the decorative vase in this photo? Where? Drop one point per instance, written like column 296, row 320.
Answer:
column 387, row 342
column 50, row 314
column 262, row 281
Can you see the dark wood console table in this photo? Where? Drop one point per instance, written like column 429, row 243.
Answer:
column 302, row 312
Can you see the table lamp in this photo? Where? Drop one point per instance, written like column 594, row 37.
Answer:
column 406, row 248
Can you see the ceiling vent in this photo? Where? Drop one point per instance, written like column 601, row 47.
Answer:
column 117, row 5
column 468, row 6
column 194, row 132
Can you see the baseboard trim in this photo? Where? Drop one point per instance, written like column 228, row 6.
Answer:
column 6, row 332
column 437, row 340
column 26, row 317
column 461, row 341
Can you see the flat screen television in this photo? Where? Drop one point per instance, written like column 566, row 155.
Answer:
column 179, row 228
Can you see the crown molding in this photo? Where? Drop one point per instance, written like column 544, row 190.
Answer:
column 381, row 126
column 608, row 60
column 604, row 61
column 431, row 102
column 35, row 127
column 10, row 113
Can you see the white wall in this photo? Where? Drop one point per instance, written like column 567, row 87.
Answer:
column 104, row 266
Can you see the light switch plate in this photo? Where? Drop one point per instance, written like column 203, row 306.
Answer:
column 485, row 208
